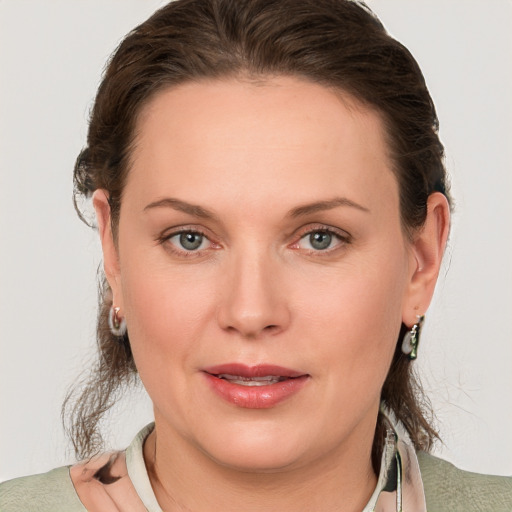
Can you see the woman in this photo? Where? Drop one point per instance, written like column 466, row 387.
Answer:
column 272, row 206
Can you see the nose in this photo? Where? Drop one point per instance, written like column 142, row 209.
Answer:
column 253, row 299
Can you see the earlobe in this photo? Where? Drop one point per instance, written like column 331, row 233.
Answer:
column 101, row 204
column 427, row 254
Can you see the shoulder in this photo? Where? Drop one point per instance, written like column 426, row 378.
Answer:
column 52, row 491
column 448, row 488
column 103, row 482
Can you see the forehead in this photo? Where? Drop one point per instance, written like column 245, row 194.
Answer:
column 283, row 137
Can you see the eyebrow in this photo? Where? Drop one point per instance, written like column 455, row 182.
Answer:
column 319, row 206
column 299, row 211
column 182, row 206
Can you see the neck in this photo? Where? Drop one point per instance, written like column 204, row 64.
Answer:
column 184, row 478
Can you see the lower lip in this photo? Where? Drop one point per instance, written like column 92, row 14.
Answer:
column 256, row 397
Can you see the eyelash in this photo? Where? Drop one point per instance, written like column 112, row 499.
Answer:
column 342, row 237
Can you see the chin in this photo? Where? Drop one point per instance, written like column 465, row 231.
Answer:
column 260, row 450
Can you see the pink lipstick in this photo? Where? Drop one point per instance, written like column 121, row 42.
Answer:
column 254, row 387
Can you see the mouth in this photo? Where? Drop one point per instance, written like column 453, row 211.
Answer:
column 266, row 380
column 255, row 387
column 259, row 375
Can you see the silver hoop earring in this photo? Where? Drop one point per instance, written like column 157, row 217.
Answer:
column 117, row 325
column 412, row 339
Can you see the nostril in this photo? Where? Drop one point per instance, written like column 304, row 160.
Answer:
column 268, row 330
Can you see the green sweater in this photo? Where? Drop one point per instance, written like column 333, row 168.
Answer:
column 449, row 489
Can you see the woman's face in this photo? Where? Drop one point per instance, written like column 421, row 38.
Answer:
column 262, row 270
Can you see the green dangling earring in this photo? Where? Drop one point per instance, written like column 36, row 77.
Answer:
column 412, row 338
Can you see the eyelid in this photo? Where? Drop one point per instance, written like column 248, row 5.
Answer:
column 313, row 227
column 186, row 228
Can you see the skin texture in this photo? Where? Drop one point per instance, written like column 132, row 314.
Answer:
column 251, row 156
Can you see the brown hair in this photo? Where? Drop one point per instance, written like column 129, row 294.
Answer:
column 336, row 43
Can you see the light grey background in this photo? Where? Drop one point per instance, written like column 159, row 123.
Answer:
column 51, row 56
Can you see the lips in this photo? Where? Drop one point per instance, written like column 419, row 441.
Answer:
column 254, row 387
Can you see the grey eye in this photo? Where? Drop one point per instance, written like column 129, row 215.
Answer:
column 320, row 240
column 191, row 241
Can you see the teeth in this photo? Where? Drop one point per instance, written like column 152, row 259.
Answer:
column 252, row 381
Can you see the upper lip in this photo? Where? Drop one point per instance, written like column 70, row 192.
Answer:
column 260, row 370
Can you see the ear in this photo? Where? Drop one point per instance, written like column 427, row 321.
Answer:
column 110, row 256
column 427, row 249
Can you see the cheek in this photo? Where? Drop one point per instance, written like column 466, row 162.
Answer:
column 357, row 316
column 166, row 313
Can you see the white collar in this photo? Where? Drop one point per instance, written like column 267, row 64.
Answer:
column 399, row 486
